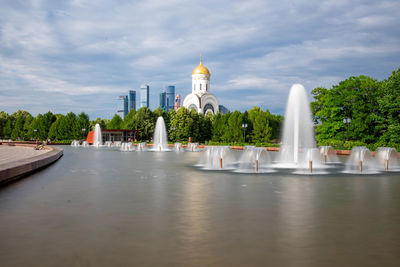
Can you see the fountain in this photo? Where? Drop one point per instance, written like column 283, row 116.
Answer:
column 108, row 143
column 117, row 143
column 298, row 133
column 193, row 147
column 388, row 158
column 75, row 143
column 361, row 161
column 160, row 140
column 217, row 157
column 85, row 144
column 255, row 159
column 328, row 154
column 178, row 147
column 126, row 146
column 141, row 146
column 97, row 142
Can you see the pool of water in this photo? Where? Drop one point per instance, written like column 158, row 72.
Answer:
column 103, row 207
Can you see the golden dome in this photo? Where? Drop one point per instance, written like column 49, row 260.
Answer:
column 200, row 69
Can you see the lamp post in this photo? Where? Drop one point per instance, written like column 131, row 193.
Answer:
column 83, row 133
column 35, row 130
column 347, row 121
column 173, row 130
column 244, row 127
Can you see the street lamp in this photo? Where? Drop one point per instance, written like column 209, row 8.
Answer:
column 83, row 132
column 346, row 122
column 244, row 127
column 35, row 130
column 173, row 130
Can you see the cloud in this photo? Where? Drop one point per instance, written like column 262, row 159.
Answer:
column 85, row 53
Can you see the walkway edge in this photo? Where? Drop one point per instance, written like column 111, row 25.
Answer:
column 15, row 170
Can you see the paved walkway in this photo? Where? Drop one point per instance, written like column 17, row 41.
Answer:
column 10, row 154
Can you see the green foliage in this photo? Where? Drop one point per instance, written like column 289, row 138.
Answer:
column 115, row 123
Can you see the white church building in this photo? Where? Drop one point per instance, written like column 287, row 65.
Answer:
column 201, row 99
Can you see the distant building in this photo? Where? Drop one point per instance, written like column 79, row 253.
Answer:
column 131, row 100
column 163, row 104
column 122, row 106
column 144, row 96
column 177, row 102
column 223, row 109
column 167, row 98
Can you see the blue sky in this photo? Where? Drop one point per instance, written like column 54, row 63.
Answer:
column 81, row 55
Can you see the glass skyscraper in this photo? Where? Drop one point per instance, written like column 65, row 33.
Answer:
column 122, row 106
column 167, row 98
column 131, row 100
column 144, row 96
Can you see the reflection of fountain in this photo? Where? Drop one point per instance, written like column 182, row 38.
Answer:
column 328, row 154
column 126, row 146
column 361, row 161
column 193, row 147
column 97, row 136
column 75, row 143
column 298, row 145
column 387, row 158
column 255, row 159
column 217, row 157
column 160, row 141
column 141, row 146
column 178, row 147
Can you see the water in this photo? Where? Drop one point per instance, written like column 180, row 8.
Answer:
column 178, row 147
column 388, row 158
column 218, row 158
column 103, row 207
column 193, row 147
column 97, row 141
column 328, row 154
column 255, row 159
column 160, row 139
column 298, row 134
column 361, row 161
column 126, row 146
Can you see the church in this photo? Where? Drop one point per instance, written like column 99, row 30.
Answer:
column 201, row 99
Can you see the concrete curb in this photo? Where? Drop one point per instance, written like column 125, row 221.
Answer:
column 15, row 170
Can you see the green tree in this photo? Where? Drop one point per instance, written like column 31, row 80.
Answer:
column 115, row 123
column 145, row 123
column 389, row 108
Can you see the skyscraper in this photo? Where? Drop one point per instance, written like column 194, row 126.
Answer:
column 144, row 96
column 122, row 106
column 167, row 98
column 163, row 104
column 131, row 100
column 170, row 97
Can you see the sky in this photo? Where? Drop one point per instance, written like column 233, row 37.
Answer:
column 79, row 56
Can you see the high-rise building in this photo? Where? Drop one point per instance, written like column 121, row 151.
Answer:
column 177, row 102
column 122, row 106
column 131, row 100
column 223, row 109
column 163, row 104
column 167, row 98
column 170, row 97
column 144, row 96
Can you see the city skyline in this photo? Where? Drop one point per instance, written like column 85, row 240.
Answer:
column 83, row 55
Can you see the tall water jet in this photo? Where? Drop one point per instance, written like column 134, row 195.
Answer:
column 98, row 140
column 298, row 133
column 160, row 140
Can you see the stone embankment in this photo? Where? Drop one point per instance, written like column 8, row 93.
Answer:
column 19, row 160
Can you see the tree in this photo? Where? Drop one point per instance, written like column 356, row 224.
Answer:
column 182, row 122
column 115, row 123
column 3, row 121
column 130, row 122
column 145, row 123
column 389, row 108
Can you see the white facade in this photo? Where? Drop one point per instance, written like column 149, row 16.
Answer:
column 201, row 99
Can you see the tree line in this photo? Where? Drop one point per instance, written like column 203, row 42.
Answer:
column 358, row 111
column 262, row 126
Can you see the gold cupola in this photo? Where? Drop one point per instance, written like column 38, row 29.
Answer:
column 200, row 69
